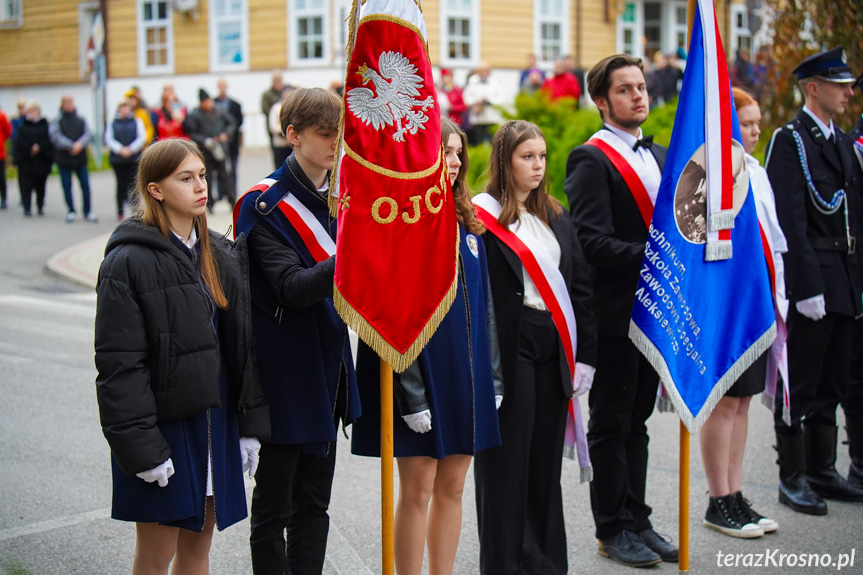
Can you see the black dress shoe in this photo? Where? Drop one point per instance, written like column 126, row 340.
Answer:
column 628, row 549
column 794, row 490
column 829, row 484
column 855, row 473
column 661, row 544
column 821, row 443
column 796, row 493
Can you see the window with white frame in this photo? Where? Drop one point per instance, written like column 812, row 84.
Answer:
column 628, row 28
column 10, row 14
column 229, row 35
column 645, row 27
column 680, row 27
column 86, row 13
column 740, row 35
column 460, row 26
column 551, row 29
column 342, row 10
column 155, row 37
column 309, row 26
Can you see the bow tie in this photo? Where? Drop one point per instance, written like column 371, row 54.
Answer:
column 646, row 142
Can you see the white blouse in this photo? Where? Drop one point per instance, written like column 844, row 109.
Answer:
column 534, row 226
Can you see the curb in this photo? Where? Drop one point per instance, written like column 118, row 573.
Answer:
column 76, row 263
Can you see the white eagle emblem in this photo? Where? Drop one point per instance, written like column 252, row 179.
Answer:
column 397, row 86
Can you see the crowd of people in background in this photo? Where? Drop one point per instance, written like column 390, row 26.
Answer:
column 216, row 123
column 40, row 142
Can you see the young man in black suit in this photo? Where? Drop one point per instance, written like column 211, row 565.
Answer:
column 612, row 226
column 809, row 162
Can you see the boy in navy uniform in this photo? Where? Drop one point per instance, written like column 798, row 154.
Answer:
column 304, row 354
column 816, row 181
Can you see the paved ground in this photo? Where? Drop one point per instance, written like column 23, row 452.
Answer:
column 55, row 473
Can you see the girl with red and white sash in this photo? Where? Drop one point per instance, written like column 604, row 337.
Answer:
column 519, row 499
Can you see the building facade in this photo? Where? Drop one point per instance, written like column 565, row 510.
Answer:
column 194, row 42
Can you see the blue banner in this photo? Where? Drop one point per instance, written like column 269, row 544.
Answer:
column 702, row 323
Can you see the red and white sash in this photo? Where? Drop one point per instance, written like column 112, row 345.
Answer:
column 642, row 183
column 552, row 288
column 314, row 236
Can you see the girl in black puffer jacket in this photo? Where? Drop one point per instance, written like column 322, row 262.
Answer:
column 178, row 394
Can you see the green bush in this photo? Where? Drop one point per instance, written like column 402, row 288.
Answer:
column 565, row 127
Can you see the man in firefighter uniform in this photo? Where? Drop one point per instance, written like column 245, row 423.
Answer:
column 817, row 180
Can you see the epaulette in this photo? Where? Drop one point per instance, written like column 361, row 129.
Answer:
column 269, row 195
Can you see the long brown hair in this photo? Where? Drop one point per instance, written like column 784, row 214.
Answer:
column 501, row 184
column 461, row 193
column 159, row 161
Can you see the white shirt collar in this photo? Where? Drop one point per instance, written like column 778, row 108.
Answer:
column 825, row 129
column 628, row 138
column 190, row 243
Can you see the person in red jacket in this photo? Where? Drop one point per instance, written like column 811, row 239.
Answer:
column 562, row 84
column 451, row 98
column 5, row 132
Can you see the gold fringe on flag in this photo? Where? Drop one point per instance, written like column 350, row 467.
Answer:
column 366, row 332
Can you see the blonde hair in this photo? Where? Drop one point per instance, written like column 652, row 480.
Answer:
column 159, row 161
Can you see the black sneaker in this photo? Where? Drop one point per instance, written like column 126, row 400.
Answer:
column 721, row 516
column 628, row 549
column 746, row 513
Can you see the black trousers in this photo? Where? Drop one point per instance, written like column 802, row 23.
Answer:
column 125, row 174
column 3, row 180
column 518, row 494
column 291, row 497
column 222, row 172
column 29, row 182
column 852, row 402
column 621, row 400
column 819, row 365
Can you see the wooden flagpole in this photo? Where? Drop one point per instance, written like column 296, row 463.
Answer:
column 683, row 496
column 387, row 529
column 683, row 517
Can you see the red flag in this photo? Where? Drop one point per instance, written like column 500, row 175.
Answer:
column 397, row 233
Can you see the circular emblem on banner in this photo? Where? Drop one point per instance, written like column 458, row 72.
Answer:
column 473, row 245
column 690, row 196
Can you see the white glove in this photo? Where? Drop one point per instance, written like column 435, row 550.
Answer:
column 249, row 449
column 812, row 307
column 498, row 399
column 583, row 379
column 160, row 473
column 419, row 422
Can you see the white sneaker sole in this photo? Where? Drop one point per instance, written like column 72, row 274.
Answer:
column 744, row 533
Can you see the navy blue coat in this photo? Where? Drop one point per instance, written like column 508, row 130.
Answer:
column 459, row 388
column 304, row 354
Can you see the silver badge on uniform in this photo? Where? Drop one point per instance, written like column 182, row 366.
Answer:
column 473, row 245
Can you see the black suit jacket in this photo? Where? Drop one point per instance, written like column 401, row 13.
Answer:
column 236, row 112
column 810, row 271
column 611, row 231
column 507, row 287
